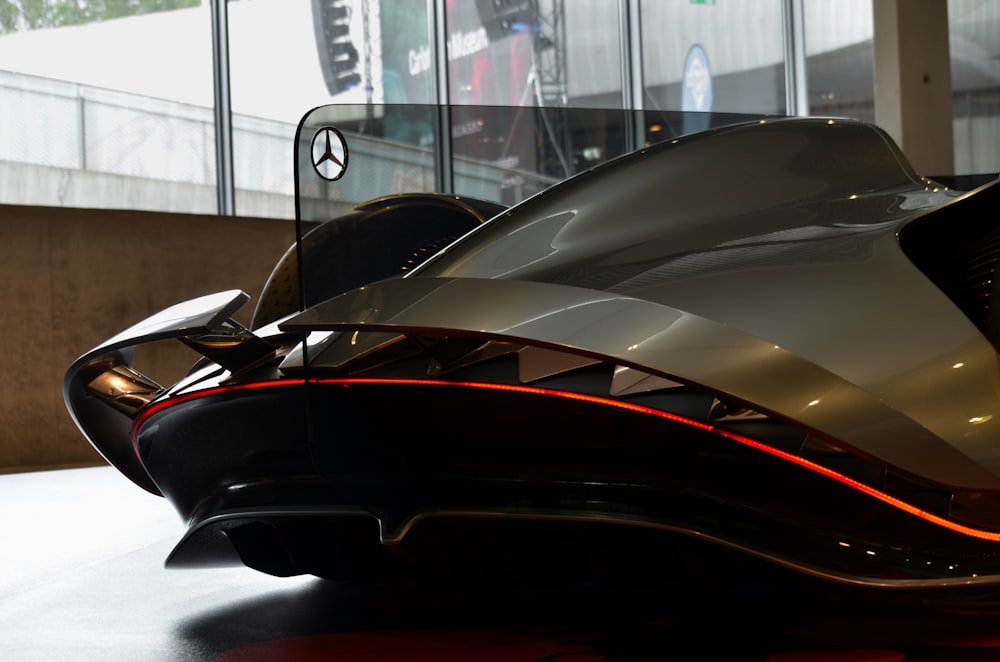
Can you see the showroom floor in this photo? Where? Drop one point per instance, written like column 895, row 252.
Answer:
column 83, row 579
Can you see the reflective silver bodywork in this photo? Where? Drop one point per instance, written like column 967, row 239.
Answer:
column 760, row 260
column 657, row 339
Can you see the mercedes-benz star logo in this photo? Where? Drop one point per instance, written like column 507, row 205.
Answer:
column 329, row 153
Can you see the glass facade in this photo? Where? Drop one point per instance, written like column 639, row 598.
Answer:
column 706, row 56
column 119, row 111
column 974, row 41
column 839, row 58
column 107, row 111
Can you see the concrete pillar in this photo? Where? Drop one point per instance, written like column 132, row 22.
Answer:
column 913, row 81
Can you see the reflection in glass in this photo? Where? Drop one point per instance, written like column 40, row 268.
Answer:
column 408, row 60
column 974, row 40
column 501, row 154
column 546, row 53
column 709, row 57
column 839, row 58
column 320, row 52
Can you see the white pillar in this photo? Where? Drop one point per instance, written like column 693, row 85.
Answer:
column 913, row 81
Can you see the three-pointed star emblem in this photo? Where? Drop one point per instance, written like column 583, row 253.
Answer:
column 329, row 153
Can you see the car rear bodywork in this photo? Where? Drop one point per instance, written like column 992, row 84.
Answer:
column 773, row 336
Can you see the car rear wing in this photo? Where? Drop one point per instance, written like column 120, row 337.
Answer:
column 104, row 393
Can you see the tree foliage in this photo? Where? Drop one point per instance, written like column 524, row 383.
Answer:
column 21, row 15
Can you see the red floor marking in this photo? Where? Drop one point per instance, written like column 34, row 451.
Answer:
column 837, row 655
column 411, row 646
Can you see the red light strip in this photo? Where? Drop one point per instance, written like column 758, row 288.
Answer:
column 746, row 441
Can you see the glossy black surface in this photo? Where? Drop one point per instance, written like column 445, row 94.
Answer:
column 373, row 499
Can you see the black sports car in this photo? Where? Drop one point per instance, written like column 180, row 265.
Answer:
column 771, row 335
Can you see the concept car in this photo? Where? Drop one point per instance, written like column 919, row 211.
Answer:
column 772, row 336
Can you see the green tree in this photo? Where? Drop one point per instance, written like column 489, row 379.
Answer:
column 22, row 15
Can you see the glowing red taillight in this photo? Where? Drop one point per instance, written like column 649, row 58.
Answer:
column 601, row 401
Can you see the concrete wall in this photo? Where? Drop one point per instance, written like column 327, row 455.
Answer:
column 73, row 278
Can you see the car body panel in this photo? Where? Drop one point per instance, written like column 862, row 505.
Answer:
column 745, row 336
column 657, row 338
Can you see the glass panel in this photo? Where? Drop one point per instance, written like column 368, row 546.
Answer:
column 380, row 162
column 702, row 56
column 500, row 154
column 108, row 106
column 839, row 58
column 318, row 52
column 507, row 154
column 592, row 59
column 548, row 53
column 408, row 61
column 974, row 39
column 271, row 87
column 490, row 49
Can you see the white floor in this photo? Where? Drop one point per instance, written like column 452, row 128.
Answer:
column 82, row 576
